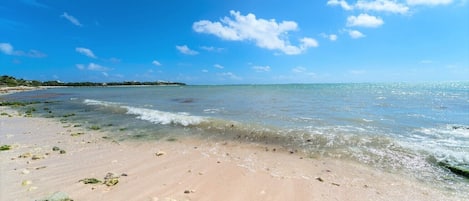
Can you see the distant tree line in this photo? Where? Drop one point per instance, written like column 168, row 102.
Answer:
column 10, row 81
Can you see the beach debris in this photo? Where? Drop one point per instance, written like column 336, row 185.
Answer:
column 32, row 188
column 26, row 182
column 335, row 184
column 171, row 139
column 90, row 181
column 62, row 151
column 319, row 179
column 76, row 134
column 160, row 153
column 41, row 167
column 5, row 147
column 57, row 196
column 95, row 127
column 55, row 148
column 37, row 157
column 124, row 174
column 187, row 191
column 25, row 171
column 68, row 115
column 111, row 179
column 25, row 155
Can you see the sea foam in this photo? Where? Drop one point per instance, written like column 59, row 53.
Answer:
column 152, row 115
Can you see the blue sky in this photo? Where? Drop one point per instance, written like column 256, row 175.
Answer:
column 233, row 42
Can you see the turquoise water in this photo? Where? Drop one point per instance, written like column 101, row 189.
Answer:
column 401, row 127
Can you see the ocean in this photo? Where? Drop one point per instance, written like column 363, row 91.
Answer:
column 410, row 129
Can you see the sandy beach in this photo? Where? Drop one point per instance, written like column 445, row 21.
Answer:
column 177, row 169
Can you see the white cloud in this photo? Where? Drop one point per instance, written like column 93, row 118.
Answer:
column 34, row 3
column 204, row 71
column 85, row 51
column 212, row 49
column 230, row 75
column 391, row 6
column 341, row 3
column 92, row 67
column 355, row 34
column 80, row 66
column 426, row 61
column 264, row 33
column 299, row 69
column 364, row 20
column 218, row 66
column 186, row 50
column 72, row 19
column 33, row 53
column 382, row 6
column 114, row 60
column 331, row 37
column 156, row 63
column 261, row 68
column 429, row 2
column 6, row 48
column 357, row 72
column 96, row 67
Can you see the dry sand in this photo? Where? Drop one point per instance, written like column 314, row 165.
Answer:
column 187, row 169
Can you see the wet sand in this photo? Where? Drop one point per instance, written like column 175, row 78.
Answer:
column 179, row 169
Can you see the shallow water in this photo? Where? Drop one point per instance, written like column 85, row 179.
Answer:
column 402, row 128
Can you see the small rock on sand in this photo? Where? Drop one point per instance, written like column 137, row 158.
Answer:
column 160, row 153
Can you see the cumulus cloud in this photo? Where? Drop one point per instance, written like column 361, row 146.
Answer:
column 7, row 48
column 390, row 6
column 382, row 6
column 72, row 19
column 268, row 34
column 341, row 3
column 355, row 34
column 429, row 2
column 186, row 50
column 218, row 66
column 156, row 63
column 261, row 68
column 364, row 20
column 331, row 37
column 92, row 67
column 85, row 51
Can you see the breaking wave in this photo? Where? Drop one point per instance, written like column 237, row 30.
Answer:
column 151, row 115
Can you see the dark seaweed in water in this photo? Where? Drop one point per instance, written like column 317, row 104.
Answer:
column 183, row 100
column 462, row 170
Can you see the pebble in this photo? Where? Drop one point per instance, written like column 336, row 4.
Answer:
column 160, row 153
column 25, row 171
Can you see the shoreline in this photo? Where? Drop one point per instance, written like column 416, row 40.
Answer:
column 180, row 169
